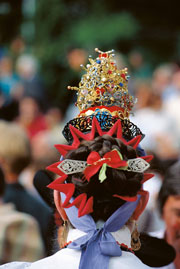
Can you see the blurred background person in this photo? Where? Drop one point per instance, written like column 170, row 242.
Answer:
column 39, row 60
column 30, row 80
column 9, row 83
column 31, row 116
column 76, row 57
column 42, row 142
column 8, row 78
column 160, row 129
column 171, row 104
column 162, row 80
column 19, row 233
column 15, row 155
column 169, row 205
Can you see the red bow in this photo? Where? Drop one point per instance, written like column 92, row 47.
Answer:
column 95, row 162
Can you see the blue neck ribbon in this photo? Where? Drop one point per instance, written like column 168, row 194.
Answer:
column 98, row 245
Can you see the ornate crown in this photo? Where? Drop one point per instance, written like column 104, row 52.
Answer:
column 104, row 85
column 103, row 94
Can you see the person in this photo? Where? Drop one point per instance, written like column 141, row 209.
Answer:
column 15, row 155
column 31, row 81
column 8, row 79
column 99, row 192
column 9, row 83
column 15, row 229
column 157, row 123
column 31, row 118
column 106, row 196
column 169, row 205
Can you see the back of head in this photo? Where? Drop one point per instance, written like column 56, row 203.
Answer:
column 15, row 147
column 171, row 185
column 27, row 66
column 117, row 182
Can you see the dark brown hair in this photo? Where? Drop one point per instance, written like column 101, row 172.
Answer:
column 118, row 182
column 2, row 183
column 170, row 186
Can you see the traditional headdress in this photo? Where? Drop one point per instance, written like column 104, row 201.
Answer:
column 94, row 164
column 98, row 245
column 104, row 104
column 103, row 93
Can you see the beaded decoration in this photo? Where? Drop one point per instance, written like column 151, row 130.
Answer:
column 103, row 93
column 104, row 85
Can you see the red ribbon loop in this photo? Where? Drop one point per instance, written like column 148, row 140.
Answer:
column 95, row 162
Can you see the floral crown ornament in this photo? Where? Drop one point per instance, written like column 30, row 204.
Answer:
column 84, row 204
column 103, row 93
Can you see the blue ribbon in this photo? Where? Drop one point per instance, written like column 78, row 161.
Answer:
column 98, row 245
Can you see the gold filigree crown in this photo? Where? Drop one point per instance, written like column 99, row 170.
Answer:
column 103, row 94
column 104, row 85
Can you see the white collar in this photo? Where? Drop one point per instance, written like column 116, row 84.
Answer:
column 121, row 236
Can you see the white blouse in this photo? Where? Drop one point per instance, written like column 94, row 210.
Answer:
column 69, row 258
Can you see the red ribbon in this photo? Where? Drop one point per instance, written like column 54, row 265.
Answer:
column 95, row 162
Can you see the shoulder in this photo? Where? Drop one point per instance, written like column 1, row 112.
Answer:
column 16, row 265
column 126, row 261
column 70, row 259
column 65, row 258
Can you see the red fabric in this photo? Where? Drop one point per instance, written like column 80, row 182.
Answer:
column 37, row 125
column 57, row 218
column 53, row 168
column 95, row 161
column 135, row 141
column 78, row 135
column 68, row 189
column 85, row 206
column 63, row 149
column 111, row 109
column 147, row 158
column 88, row 207
column 117, row 129
column 59, row 180
column 146, row 177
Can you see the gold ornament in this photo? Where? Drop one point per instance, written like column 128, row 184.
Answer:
column 135, row 240
column 104, row 85
column 63, row 233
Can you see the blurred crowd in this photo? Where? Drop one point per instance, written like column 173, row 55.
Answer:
column 30, row 126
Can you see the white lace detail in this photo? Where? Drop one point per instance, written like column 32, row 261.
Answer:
column 72, row 166
column 69, row 166
column 137, row 165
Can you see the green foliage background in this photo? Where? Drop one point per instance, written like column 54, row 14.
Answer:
column 53, row 27
column 62, row 25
